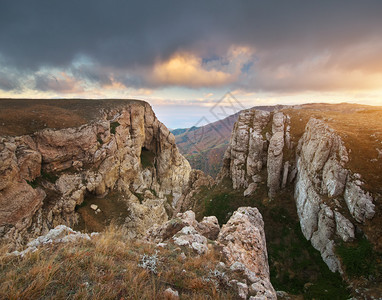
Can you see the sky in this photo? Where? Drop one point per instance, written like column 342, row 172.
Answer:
column 190, row 58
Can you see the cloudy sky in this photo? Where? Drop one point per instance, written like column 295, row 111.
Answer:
column 184, row 56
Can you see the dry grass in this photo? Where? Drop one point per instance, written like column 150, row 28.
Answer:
column 106, row 268
column 26, row 116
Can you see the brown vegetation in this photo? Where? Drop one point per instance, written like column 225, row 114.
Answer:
column 26, row 116
column 107, row 267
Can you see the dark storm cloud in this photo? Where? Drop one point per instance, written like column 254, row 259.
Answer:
column 125, row 35
column 53, row 83
column 8, row 82
column 92, row 73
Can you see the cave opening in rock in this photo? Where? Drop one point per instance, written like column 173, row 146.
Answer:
column 147, row 158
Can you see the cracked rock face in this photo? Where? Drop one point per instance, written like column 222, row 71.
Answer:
column 43, row 176
column 258, row 141
column 330, row 199
column 244, row 247
column 208, row 227
column 241, row 242
column 246, row 154
column 359, row 202
column 324, row 187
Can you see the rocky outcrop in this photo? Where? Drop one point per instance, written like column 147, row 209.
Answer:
column 244, row 247
column 44, row 176
column 246, row 154
column 197, row 180
column 208, row 227
column 358, row 201
column 60, row 234
column 330, row 199
column 256, row 147
column 323, row 183
column 241, row 242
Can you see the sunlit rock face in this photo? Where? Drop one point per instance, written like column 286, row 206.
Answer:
column 325, row 188
column 330, row 199
column 246, row 154
column 43, row 176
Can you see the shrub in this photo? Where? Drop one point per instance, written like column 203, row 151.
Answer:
column 49, row 177
column 358, row 259
column 32, row 183
column 113, row 126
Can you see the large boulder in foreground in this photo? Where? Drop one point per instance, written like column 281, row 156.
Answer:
column 244, row 247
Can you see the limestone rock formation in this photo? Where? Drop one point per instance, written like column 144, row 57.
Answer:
column 330, row 199
column 323, row 182
column 246, row 154
column 208, row 227
column 241, row 242
column 60, row 234
column 244, row 247
column 197, row 180
column 43, row 176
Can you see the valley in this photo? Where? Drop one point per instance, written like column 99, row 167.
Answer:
column 312, row 171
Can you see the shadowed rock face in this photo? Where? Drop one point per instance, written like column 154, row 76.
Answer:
column 63, row 165
column 330, row 199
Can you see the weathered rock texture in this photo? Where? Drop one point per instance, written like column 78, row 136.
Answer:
column 322, row 184
column 255, row 152
column 330, row 199
column 197, row 180
column 244, row 247
column 241, row 242
column 43, row 176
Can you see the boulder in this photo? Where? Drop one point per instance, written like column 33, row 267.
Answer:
column 244, row 246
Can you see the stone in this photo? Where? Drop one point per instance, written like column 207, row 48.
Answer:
column 246, row 154
column 262, row 289
column 275, row 162
column 285, row 174
column 344, row 228
column 243, row 245
column 189, row 237
column 93, row 206
column 60, row 234
column 184, row 230
column 209, row 227
column 171, row 294
column 242, row 289
column 359, row 202
column 91, row 158
column 250, row 189
column 197, row 181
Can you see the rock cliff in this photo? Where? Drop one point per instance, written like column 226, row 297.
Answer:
column 331, row 200
column 45, row 175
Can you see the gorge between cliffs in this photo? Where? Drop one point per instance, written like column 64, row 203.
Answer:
column 294, row 212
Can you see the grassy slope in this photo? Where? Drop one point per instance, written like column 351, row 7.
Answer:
column 26, row 116
column 107, row 268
